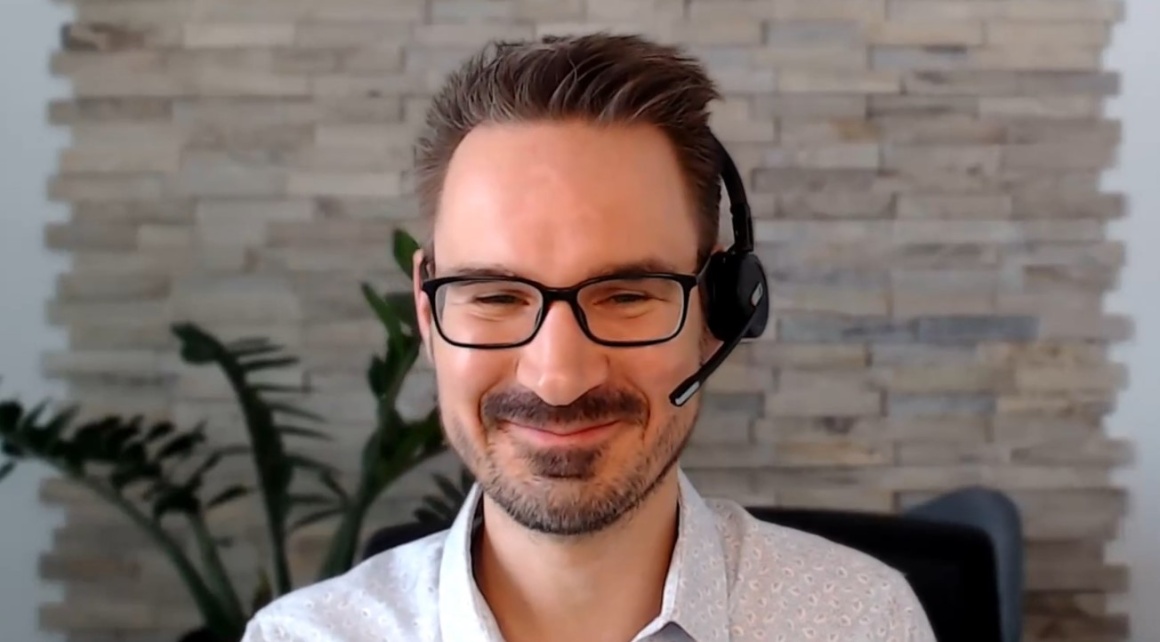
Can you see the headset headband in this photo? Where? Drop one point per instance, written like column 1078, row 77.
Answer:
column 740, row 214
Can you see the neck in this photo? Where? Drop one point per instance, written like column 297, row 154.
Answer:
column 542, row 587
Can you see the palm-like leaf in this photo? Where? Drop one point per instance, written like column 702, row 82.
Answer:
column 157, row 472
column 265, row 421
column 111, row 457
column 397, row 445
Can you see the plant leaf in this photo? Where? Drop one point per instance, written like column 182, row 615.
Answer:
column 276, row 388
column 268, row 364
column 297, row 431
column 377, row 376
column 244, row 351
column 403, row 303
column 227, row 495
column 311, row 499
column 329, row 481
column 386, row 314
column 180, row 446
column 174, row 500
column 315, row 517
column 10, row 412
column 303, row 461
column 294, row 411
column 6, row 469
column 263, row 593
column 404, row 248
column 447, row 486
column 163, row 429
column 130, row 472
column 428, row 516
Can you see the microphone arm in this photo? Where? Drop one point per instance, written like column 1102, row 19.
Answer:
column 682, row 393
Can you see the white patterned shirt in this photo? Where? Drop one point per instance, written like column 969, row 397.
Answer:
column 732, row 578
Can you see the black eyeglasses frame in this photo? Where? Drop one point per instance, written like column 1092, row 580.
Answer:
column 570, row 296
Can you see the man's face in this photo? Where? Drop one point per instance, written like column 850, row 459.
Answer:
column 560, row 203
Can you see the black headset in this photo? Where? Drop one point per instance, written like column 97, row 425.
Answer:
column 735, row 287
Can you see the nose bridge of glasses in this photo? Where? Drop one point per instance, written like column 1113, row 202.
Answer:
column 566, row 301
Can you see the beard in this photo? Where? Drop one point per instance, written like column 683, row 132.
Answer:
column 571, row 491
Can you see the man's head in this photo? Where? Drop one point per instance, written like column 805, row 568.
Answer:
column 547, row 165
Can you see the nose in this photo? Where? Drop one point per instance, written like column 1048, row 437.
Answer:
column 561, row 363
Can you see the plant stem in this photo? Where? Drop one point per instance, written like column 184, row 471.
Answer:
column 259, row 418
column 340, row 556
column 215, row 570
column 217, row 618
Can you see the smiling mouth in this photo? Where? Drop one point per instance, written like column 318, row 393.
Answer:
column 549, row 436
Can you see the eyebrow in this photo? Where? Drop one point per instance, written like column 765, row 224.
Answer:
column 495, row 270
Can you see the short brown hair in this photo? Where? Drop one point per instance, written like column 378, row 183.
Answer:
column 599, row 77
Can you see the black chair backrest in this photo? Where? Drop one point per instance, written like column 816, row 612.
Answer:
column 950, row 567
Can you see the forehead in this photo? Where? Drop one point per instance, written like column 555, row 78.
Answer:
column 559, row 202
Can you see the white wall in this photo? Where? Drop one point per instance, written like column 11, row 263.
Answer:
column 28, row 33
column 1134, row 52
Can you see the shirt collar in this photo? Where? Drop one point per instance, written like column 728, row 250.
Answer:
column 695, row 593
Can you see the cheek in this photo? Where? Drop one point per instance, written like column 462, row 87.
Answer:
column 464, row 376
column 657, row 370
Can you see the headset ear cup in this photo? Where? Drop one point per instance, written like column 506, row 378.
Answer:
column 754, row 293
column 737, row 293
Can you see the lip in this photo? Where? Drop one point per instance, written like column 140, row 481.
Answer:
column 547, row 438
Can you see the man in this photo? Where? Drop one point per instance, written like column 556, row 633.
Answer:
column 582, row 163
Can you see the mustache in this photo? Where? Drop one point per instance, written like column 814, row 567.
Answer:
column 599, row 405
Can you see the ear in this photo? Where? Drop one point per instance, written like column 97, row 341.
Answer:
column 423, row 311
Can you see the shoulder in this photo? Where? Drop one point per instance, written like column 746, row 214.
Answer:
column 816, row 582
column 394, row 593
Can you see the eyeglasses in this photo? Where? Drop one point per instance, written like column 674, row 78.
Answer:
column 624, row 310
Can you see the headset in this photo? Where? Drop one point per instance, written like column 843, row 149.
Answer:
column 735, row 287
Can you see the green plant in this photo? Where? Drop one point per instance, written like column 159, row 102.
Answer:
column 154, row 473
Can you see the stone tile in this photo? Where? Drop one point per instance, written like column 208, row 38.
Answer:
column 634, row 9
column 804, row 356
column 846, row 104
column 809, row 58
column 825, row 156
column 835, row 205
column 971, row 206
column 88, row 237
column 116, row 187
column 938, row 129
column 972, row 329
column 925, row 379
column 363, row 185
column 938, row 405
column 332, row 33
column 836, row 329
column 722, row 429
column 472, row 10
column 961, row 82
column 834, row 402
column 121, row 159
column 922, row 106
column 740, row 378
column 89, row 287
column 926, row 33
column 1046, row 106
column 824, row 82
column 209, row 35
column 63, row 111
column 835, row 300
column 719, row 30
